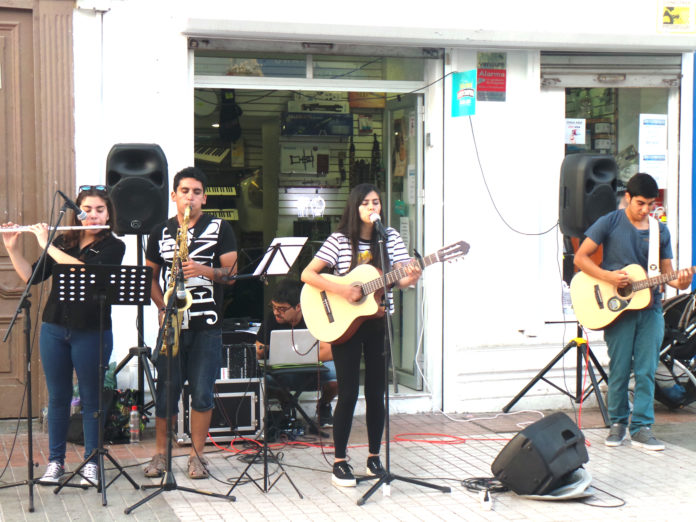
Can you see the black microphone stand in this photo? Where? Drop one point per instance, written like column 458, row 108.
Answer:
column 388, row 477
column 168, row 482
column 25, row 304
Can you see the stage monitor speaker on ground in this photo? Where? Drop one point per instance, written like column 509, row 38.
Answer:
column 540, row 457
column 587, row 191
column 136, row 175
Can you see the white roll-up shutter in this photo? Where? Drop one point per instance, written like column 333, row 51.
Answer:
column 563, row 69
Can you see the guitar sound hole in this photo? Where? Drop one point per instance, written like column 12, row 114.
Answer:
column 626, row 291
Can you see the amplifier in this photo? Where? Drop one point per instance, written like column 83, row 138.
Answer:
column 238, row 411
column 239, row 361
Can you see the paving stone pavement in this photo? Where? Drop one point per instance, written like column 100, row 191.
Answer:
column 628, row 483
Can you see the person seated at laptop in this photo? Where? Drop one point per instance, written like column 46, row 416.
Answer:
column 286, row 314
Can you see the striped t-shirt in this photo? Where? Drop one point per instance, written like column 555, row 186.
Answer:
column 336, row 253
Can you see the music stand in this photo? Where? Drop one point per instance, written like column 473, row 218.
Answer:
column 106, row 284
column 289, row 248
column 388, row 477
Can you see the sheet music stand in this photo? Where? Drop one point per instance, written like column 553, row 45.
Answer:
column 272, row 264
column 106, row 284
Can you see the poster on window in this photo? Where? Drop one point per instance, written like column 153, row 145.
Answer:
column 575, row 131
column 652, row 146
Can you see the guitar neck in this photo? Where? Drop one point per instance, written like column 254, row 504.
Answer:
column 658, row 280
column 395, row 275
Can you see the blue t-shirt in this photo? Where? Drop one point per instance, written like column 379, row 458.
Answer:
column 625, row 245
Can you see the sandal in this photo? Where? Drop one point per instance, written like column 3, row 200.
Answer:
column 155, row 468
column 197, row 467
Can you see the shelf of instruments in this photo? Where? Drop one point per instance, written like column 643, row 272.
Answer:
column 228, row 214
column 210, row 153
column 221, row 191
column 238, row 411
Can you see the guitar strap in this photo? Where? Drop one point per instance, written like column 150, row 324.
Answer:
column 653, row 247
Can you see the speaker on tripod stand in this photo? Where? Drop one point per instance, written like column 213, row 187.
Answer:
column 137, row 179
column 587, row 192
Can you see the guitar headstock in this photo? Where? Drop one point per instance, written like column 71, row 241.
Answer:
column 453, row 251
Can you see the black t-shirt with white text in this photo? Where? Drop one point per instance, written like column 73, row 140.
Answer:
column 209, row 239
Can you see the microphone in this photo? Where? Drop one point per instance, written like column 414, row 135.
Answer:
column 81, row 214
column 374, row 217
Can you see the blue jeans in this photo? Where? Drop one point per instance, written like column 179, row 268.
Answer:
column 63, row 349
column 634, row 341
column 198, row 362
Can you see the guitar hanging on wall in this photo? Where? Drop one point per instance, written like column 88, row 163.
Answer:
column 331, row 318
column 597, row 303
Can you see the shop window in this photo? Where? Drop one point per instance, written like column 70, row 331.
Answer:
column 612, row 125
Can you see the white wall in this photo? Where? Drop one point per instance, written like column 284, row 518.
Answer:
column 140, row 93
column 486, row 316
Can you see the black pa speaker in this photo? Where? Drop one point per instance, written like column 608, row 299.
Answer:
column 136, row 175
column 587, row 191
column 539, row 458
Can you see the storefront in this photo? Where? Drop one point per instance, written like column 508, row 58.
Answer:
column 284, row 135
column 290, row 91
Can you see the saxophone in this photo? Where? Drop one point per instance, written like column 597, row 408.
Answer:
column 180, row 256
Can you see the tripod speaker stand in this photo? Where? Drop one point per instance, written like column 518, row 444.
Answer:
column 142, row 353
column 117, row 285
column 583, row 353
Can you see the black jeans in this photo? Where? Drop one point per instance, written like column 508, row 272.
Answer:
column 368, row 341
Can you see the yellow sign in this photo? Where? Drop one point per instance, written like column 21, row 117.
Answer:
column 676, row 16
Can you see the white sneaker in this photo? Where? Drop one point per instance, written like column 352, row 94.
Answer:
column 53, row 472
column 89, row 475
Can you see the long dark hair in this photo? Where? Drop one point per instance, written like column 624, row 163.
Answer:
column 350, row 223
column 72, row 237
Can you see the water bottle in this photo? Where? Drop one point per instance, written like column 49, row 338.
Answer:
column 134, row 424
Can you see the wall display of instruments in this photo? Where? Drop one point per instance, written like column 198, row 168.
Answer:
column 211, row 153
column 316, row 124
column 218, row 202
column 7, row 230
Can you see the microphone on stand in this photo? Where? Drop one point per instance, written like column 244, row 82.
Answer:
column 81, row 214
column 378, row 225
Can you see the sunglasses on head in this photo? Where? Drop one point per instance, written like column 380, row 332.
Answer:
column 100, row 188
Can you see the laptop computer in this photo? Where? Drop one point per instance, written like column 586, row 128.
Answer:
column 293, row 348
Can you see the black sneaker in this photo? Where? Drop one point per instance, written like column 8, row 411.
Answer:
column 374, row 467
column 343, row 475
column 54, row 471
column 324, row 414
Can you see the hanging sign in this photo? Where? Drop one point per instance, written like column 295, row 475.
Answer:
column 464, row 93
